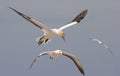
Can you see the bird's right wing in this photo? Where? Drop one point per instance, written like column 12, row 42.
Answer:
column 75, row 60
column 44, row 53
column 33, row 21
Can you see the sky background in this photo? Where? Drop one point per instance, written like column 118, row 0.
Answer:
column 18, row 46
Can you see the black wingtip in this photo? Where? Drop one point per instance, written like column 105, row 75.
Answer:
column 79, row 17
column 83, row 13
column 21, row 14
column 83, row 73
column 12, row 9
column 32, row 63
column 15, row 11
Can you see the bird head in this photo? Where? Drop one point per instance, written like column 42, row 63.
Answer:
column 59, row 52
column 61, row 34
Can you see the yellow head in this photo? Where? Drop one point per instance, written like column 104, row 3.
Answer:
column 61, row 34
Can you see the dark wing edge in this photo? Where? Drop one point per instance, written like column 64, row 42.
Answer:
column 79, row 17
column 75, row 60
column 44, row 53
column 28, row 18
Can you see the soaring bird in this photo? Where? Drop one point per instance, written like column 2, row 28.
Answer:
column 48, row 32
column 101, row 43
column 57, row 53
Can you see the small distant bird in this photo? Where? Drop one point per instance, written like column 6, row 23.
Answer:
column 48, row 32
column 57, row 53
column 101, row 43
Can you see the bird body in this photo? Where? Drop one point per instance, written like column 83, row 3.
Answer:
column 50, row 33
column 57, row 53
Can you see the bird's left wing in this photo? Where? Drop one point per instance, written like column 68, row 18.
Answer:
column 33, row 21
column 44, row 53
column 75, row 60
column 76, row 20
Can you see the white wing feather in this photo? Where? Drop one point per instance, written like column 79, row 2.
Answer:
column 100, row 42
column 68, row 25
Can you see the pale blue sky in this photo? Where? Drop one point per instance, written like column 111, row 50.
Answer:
column 18, row 46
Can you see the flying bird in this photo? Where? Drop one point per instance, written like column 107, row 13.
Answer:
column 101, row 43
column 48, row 32
column 57, row 53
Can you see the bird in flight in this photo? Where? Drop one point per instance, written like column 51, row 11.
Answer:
column 57, row 53
column 48, row 32
column 101, row 43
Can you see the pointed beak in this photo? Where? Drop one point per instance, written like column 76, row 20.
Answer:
column 63, row 37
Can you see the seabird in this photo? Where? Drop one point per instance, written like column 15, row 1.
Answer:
column 48, row 32
column 57, row 53
column 101, row 43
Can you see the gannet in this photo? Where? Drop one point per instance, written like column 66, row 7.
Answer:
column 48, row 32
column 101, row 43
column 57, row 53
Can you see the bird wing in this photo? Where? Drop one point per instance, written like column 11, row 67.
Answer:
column 75, row 60
column 76, row 20
column 100, row 42
column 41, row 54
column 33, row 21
column 107, row 48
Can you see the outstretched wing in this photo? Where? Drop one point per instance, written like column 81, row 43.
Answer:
column 76, row 20
column 44, row 53
column 75, row 60
column 33, row 21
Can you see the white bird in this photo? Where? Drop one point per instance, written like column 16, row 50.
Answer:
column 101, row 43
column 48, row 32
column 57, row 53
